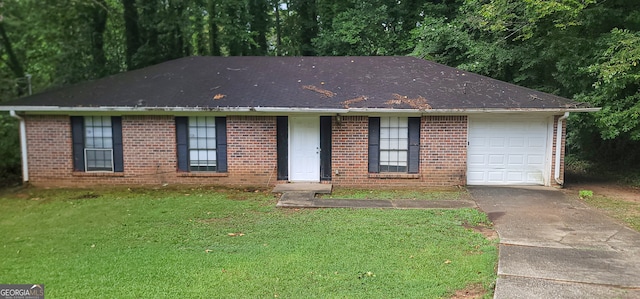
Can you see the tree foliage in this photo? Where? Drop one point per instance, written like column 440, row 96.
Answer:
column 588, row 50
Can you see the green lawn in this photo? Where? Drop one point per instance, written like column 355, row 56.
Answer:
column 206, row 243
column 416, row 194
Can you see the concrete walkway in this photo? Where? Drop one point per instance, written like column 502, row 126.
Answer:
column 553, row 246
column 303, row 196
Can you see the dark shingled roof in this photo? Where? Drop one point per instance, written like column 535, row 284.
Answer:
column 298, row 82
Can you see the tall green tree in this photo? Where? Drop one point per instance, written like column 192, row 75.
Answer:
column 259, row 26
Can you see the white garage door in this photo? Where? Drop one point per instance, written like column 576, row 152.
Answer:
column 506, row 152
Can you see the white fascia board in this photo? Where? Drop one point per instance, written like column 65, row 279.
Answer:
column 278, row 110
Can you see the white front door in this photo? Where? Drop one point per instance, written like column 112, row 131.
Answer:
column 304, row 152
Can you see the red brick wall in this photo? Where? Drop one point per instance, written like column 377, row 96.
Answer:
column 150, row 153
column 149, row 147
column 349, row 148
column 443, row 150
column 49, row 149
column 251, row 146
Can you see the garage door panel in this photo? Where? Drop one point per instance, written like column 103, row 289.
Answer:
column 516, row 160
column 516, row 142
column 476, row 160
column 515, row 176
column 537, row 142
column 506, row 151
column 497, row 142
column 534, row 177
column 478, row 142
column 496, row 160
column 495, row 176
column 535, row 159
column 477, row 176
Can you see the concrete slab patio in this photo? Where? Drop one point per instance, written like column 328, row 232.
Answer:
column 554, row 246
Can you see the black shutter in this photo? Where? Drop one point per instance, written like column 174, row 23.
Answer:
column 282, row 145
column 325, row 148
column 77, row 137
column 221, row 144
column 182, row 139
column 118, row 156
column 414, row 145
column 374, row 144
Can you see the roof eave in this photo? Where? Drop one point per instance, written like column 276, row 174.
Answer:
column 271, row 110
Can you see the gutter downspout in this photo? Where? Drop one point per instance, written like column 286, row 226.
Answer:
column 23, row 146
column 558, row 148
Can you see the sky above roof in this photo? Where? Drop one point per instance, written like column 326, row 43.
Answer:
column 298, row 82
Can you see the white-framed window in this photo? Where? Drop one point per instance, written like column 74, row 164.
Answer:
column 394, row 144
column 202, row 143
column 98, row 143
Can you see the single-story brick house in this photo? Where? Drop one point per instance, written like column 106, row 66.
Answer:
column 351, row 121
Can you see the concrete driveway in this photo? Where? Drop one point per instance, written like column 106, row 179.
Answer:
column 553, row 246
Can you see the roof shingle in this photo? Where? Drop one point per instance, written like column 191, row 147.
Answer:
column 298, row 82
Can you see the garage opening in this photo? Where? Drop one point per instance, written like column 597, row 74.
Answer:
column 507, row 151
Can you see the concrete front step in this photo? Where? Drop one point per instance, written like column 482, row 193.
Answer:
column 298, row 187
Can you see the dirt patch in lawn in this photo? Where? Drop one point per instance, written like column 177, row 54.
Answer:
column 473, row 291
column 486, row 231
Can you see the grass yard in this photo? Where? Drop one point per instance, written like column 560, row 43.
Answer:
column 416, row 194
column 206, row 243
column 626, row 211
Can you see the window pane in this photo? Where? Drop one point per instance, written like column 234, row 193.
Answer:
column 211, row 131
column 384, row 122
column 394, row 133
column 393, row 144
column 384, row 143
column 202, row 143
column 91, row 155
column 202, row 155
column 403, row 144
column 107, row 132
column 211, row 157
column 211, row 143
column 106, row 121
column 403, row 132
column 402, row 158
column 384, row 132
column 202, row 132
column 384, row 157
